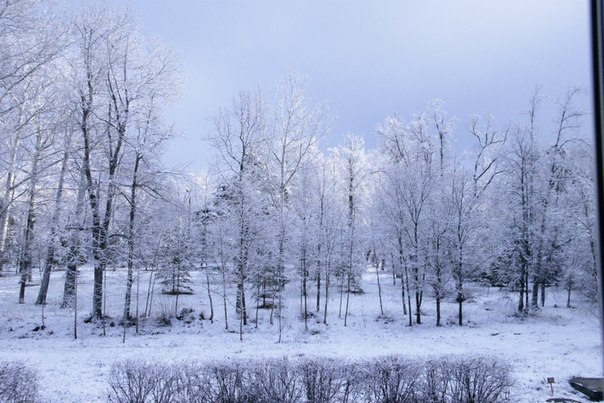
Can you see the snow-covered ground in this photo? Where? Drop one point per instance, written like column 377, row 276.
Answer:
column 555, row 342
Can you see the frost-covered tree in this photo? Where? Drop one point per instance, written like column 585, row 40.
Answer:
column 176, row 259
column 115, row 78
column 31, row 39
column 412, row 160
column 353, row 168
column 293, row 134
column 329, row 227
column 537, row 180
column 238, row 137
column 305, row 234
column 579, row 217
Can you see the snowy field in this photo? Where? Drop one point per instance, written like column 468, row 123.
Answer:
column 555, row 342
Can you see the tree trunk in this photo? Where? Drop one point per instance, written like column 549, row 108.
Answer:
column 7, row 199
column 75, row 307
column 535, row 292
column 521, row 295
column 224, row 300
column 408, row 296
column 401, row 264
column 257, row 305
column 526, row 292
column 25, row 263
column 50, row 251
column 304, row 289
column 569, row 288
column 152, row 279
column 349, row 280
column 438, row 299
column 210, row 297
column 403, row 297
column 148, row 297
column 418, row 304
column 131, row 236
column 73, row 254
column 205, row 263
column 377, row 273
column 241, row 308
column 138, row 283
column 341, row 295
column 459, row 280
column 318, row 289
column 416, row 281
column 280, row 316
column 223, row 275
column 326, row 296
column 98, row 238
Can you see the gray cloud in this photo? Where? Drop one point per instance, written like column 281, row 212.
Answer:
column 371, row 59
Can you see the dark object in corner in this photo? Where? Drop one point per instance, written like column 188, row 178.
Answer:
column 591, row 387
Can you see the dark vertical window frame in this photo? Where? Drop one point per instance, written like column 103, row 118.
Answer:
column 597, row 31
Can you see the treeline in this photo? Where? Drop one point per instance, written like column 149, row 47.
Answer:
column 516, row 210
column 80, row 116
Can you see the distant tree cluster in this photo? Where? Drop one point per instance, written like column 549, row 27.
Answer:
column 82, row 130
column 510, row 212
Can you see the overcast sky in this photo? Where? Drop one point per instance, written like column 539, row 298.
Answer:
column 369, row 59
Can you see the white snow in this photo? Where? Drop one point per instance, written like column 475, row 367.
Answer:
column 555, row 342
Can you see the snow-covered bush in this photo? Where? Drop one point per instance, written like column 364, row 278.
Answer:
column 393, row 378
column 141, row 382
column 390, row 379
column 18, row 383
column 193, row 384
column 327, row 380
column 164, row 317
column 228, row 382
column 276, row 381
column 187, row 315
column 436, row 379
column 479, row 379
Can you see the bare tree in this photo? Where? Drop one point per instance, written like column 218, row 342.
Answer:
column 49, row 260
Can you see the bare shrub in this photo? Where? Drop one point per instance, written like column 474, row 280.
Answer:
column 275, row 381
column 135, row 381
column 479, row 379
column 392, row 379
column 193, row 384
column 228, row 383
column 436, row 379
column 18, row 383
column 327, row 380
column 164, row 318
